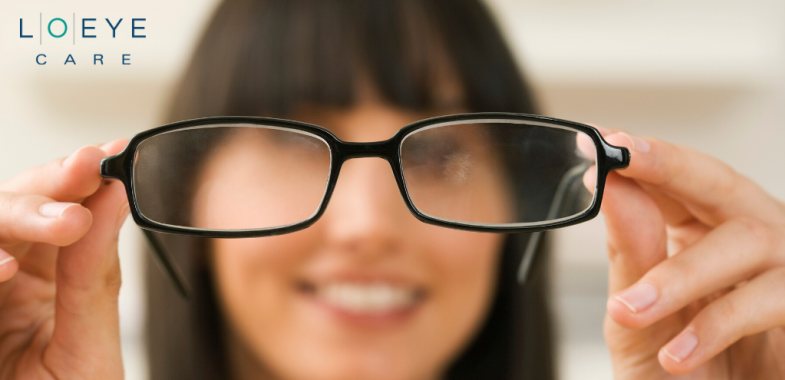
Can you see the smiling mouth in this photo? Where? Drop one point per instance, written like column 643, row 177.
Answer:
column 365, row 298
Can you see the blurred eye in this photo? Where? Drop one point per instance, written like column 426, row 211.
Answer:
column 442, row 159
column 457, row 167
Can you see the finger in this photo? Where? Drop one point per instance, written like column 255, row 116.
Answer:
column 674, row 213
column 753, row 308
column 114, row 147
column 67, row 180
column 586, row 145
column 733, row 252
column 88, row 284
column 636, row 232
column 685, row 235
column 603, row 131
column 682, row 229
column 33, row 218
column 590, row 178
column 709, row 188
column 8, row 266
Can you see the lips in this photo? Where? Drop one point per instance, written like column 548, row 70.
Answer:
column 377, row 298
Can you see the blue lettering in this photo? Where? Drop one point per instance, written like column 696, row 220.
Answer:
column 38, row 59
column 70, row 58
column 127, row 58
column 85, row 27
column 114, row 28
column 98, row 57
column 134, row 27
column 21, row 34
column 65, row 27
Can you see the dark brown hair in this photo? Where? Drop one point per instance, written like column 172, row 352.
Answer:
column 266, row 58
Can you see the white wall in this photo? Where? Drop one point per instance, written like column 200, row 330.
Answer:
column 697, row 72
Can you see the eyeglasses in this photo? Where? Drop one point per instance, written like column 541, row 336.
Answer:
column 236, row 177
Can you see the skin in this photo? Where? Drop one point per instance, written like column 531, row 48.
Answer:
column 451, row 192
column 58, row 295
column 366, row 235
column 724, row 280
column 721, row 291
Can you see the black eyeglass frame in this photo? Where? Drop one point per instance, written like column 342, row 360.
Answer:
column 120, row 166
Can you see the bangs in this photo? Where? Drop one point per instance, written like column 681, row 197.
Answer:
column 286, row 53
column 272, row 57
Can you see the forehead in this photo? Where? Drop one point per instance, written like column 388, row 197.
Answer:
column 370, row 117
column 366, row 121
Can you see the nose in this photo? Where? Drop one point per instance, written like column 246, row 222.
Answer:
column 366, row 214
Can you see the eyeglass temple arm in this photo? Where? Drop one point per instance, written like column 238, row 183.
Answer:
column 166, row 264
column 558, row 199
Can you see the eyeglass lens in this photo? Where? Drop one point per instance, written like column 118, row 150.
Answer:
column 248, row 177
column 231, row 177
column 496, row 173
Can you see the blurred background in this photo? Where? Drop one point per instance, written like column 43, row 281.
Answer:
column 704, row 73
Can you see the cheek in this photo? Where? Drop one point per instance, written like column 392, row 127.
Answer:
column 256, row 281
column 256, row 278
column 464, row 266
column 455, row 254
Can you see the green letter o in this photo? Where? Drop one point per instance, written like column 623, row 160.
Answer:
column 65, row 27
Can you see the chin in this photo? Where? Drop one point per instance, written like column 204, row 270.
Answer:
column 361, row 366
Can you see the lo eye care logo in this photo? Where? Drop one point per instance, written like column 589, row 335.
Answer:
column 56, row 29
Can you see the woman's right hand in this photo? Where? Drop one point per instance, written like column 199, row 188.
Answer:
column 60, row 273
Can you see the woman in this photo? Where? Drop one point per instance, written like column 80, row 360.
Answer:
column 300, row 60
column 364, row 69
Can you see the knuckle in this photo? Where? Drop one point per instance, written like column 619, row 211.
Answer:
column 725, row 184
column 12, row 215
column 16, row 208
column 14, row 205
column 761, row 233
column 112, row 278
column 668, row 168
column 113, row 281
column 727, row 181
column 87, row 287
column 670, row 274
column 6, row 203
column 725, row 310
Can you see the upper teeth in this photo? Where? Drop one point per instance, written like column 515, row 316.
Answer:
column 366, row 298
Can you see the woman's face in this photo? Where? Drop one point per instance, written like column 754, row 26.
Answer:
column 368, row 291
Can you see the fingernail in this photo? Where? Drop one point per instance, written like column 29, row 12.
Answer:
column 70, row 158
column 638, row 144
column 6, row 260
column 603, row 131
column 105, row 148
column 638, row 297
column 681, row 347
column 54, row 209
column 123, row 215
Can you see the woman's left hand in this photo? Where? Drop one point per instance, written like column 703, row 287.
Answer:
column 697, row 267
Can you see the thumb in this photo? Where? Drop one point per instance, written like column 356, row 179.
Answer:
column 86, row 337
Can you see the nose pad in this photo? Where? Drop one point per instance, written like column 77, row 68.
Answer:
column 366, row 213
